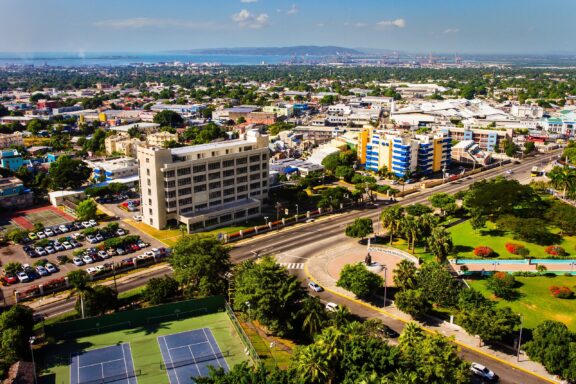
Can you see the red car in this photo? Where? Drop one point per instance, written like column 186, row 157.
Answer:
column 134, row 247
column 9, row 279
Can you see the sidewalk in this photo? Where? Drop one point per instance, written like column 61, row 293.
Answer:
column 63, row 296
column 317, row 269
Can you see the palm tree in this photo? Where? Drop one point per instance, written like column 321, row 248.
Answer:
column 405, row 275
column 440, row 243
column 411, row 337
column 311, row 365
column 79, row 280
column 411, row 228
column 391, row 218
column 427, row 223
column 314, row 315
column 340, row 317
column 562, row 177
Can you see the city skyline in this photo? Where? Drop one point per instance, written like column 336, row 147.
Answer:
column 415, row 26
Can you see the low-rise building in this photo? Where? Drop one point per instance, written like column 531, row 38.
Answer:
column 13, row 194
column 122, row 144
column 108, row 170
column 487, row 139
column 159, row 139
column 11, row 159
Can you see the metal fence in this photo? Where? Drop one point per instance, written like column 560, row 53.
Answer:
column 242, row 334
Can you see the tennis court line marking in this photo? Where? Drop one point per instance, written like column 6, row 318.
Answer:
column 101, row 363
column 179, row 333
column 188, row 345
column 125, row 364
column 211, row 347
column 170, row 356
column 193, row 358
column 220, row 349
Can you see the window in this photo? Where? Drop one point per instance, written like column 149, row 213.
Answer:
column 226, row 217
column 228, row 163
column 149, row 192
column 169, row 184
column 255, row 177
column 185, row 210
column 214, row 176
column 199, row 188
column 214, row 195
column 229, row 191
column 216, row 185
column 149, row 201
column 147, row 171
column 199, row 168
column 255, row 186
column 169, row 174
column 255, row 168
column 248, row 148
column 241, row 160
column 147, row 160
column 241, row 188
column 229, row 199
column 242, row 170
column 149, row 183
column 200, row 207
column 212, row 221
column 150, row 211
column 264, row 156
column 240, row 197
column 186, row 201
column 213, row 166
column 228, row 182
column 183, row 171
column 184, row 191
column 228, row 173
column 242, row 179
column 254, row 158
column 199, row 178
column 214, row 203
column 171, row 194
column 185, row 181
column 240, row 214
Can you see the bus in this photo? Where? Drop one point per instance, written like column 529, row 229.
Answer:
column 535, row 172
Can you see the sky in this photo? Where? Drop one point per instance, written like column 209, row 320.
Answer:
column 423, row 26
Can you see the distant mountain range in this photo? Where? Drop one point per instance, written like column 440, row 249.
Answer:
column 300, row 50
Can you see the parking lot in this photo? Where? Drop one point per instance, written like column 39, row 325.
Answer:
column 65, row 242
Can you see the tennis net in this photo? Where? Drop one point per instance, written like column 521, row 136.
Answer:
column 113, row 378
column 193, row 360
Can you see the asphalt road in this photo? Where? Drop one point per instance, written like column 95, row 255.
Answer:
column 297, row 244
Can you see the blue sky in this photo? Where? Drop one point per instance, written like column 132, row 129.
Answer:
column 459, row 26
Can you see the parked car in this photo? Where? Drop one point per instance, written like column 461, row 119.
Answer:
column 86, row 224
column 388, row 332
column 67, row 245
column 138, row 217
column 41, row 251
column 32, row 236
column 135, row 247
column 331, row 307
column 58, row 246
column 87, row 259
column 103, row 254
column 78, row 225
column 128, row 261
column 56, row 231
column 51, row 268
column 9, row 279
column 92, row 270
column 142, row 244
column 120, row 251
column 315, row 287
column 99, row 237
column 63, row 228
column 41, row 235
column 42, row 271
column 78, row 261
column 483, row 372
column 49, row 232
column 111, row 252
column 120, row 232
column 92, row 223
column 74, row 243
column 91, row 239
column 22, row 277
column 50, row 249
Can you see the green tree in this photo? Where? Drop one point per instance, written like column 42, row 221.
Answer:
column 440, row 243
column 79, row 280
column 200, row 263
column 12, row 267
column 168, row 118
column 361, row 227
column 86, row 210
column 405, row 275
column 270, row 293
column 68, row 173
column 413, row 302
column 443, row 201
column 98, row 300
column 554, row 346
column 418, row 209
column 503, row 285
column 344, row 172
column 161, row 290
column 34, row 126
column 357, row 279
column 391, row 219
column 313, row 315
column 438, row 285
column 16, row 328
column 331, row 162
column 491, row 324
column 563, row 178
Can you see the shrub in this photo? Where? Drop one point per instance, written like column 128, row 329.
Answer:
column 561, row 292
column 514, row 248
column 502, row 284
column 483, row 251
column 555, row 250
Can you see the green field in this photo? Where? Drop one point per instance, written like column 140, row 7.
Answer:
column 535, row 302
column 54, row 360
column 466, row 239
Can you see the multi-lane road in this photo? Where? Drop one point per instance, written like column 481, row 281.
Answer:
column 294, row 245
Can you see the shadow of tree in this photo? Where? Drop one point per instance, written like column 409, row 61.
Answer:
column 149, row 329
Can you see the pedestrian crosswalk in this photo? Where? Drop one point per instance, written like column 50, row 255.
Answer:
column 292, row 265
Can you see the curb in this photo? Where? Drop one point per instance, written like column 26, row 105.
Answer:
column 429, row 330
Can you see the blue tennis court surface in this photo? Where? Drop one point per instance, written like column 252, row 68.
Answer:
column 189, row 354
column 104, row 365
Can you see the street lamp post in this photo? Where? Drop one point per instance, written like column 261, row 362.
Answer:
column 249, row 317
column 296, row 212
column 266, row 218
column 520, row 338
column 385, row 283
column 31, row 341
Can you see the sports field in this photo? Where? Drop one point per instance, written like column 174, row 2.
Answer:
column 48, row 216
column 150, row 364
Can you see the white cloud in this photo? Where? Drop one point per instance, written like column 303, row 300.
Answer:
column 355, row 25
column 451, row 30
column 320, row 25
column 397, row 23
column 144, row 22
column 293, row 10
column 245, row 19
column 248, row 1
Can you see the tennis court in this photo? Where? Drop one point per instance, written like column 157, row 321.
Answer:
column 189, row 354
column 25, row 219
column 103, row 365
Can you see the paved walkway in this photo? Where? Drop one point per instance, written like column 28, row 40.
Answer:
column 319, row 268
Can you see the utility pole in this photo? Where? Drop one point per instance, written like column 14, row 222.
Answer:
column 520, row 337
column 385, row 284
column 31, row 341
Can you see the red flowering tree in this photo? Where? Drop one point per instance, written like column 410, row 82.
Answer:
column 483, row 251
column 514, row 248
column 555, row 250
column 561, row 292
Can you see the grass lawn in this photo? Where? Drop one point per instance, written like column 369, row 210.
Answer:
column 270, row 357
column 466, row 239
column 54, row 360
column 403, row 245
column 535, row 302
